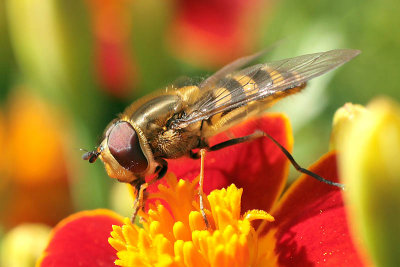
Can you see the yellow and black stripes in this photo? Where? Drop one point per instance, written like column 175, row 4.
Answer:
column 250, row 92
column 231, row 86
column 239, row 95
column 258, row 84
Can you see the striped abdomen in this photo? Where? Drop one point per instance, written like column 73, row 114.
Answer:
column 250, row 92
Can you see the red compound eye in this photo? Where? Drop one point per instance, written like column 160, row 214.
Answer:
column 123, row 143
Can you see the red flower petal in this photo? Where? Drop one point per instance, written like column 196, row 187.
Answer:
column 310, row 222
column 259, row 167
column 82, row 240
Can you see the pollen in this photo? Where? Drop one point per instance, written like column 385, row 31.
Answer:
column 175, row 234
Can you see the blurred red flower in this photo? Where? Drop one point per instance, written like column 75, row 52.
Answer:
column 114, row 59
column 214, row 32
column 207, row 33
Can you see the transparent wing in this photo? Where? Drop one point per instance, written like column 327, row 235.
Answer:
column 233, row 66
column 260, row 81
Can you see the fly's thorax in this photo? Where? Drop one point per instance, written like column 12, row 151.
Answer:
column 125, row 152
column 174, row 143
column 152, row 116
column 189, row 94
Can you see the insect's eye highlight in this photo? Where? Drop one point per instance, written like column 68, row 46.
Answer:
column 123, row 143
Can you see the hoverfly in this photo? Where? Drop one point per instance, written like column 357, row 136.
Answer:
column 174, row 122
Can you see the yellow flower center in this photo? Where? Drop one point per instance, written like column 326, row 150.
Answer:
column 179, row 236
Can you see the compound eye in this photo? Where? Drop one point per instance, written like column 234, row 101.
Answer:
column 123, row 143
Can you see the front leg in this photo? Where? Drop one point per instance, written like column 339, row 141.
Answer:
column 141, row 186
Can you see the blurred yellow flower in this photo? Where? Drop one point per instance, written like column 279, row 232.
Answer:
column 229, row 241
column 369, row 149
column 23, row 245
column 344, row 118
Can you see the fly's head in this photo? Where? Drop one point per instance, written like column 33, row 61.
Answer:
column 123, row 152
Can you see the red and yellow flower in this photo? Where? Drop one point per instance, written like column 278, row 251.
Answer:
column 305, row 225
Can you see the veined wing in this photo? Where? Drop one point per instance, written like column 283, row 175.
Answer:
column 260, row 81
column 233, row 66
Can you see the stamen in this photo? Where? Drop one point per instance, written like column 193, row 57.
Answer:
column 178, row 236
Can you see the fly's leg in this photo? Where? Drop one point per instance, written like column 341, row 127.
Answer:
column 201, row 179
column 298, row 167
column 141, row 186
column 259, row 134
column 139, row 200
column 201, row 154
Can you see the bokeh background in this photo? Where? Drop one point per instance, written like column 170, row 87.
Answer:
column 68, row 67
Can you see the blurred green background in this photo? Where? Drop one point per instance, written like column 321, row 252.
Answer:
column 68, row 67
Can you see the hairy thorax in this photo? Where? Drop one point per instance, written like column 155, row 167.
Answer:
column 174, row 143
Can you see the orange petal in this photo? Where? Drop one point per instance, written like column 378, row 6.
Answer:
column 35, row 166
